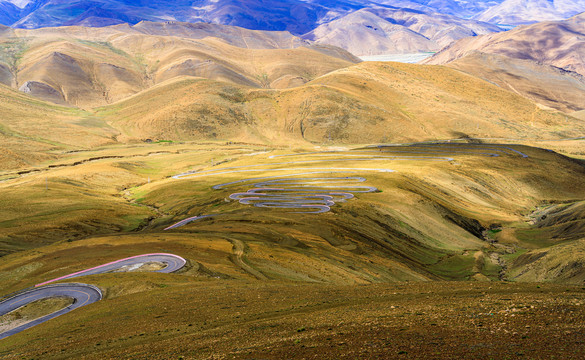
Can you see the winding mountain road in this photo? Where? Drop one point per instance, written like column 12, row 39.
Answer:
column 82, row 294
column 172, row 262
column 315, row 200
column 308, row 195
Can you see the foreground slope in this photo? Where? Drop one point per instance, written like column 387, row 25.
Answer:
column 275, row 321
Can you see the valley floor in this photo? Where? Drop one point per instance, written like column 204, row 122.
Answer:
column 453, row 250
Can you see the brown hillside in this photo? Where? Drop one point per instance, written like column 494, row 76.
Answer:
column 88, row 67
column 368, row 102
column 33, row 131
column 544, row 84
column 560, row 44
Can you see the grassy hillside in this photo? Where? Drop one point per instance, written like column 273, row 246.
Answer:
column 430, row 220
column 33, row 131
column 323, row 235
column 88, row 67
column 364, row 103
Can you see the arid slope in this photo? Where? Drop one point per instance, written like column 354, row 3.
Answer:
column 87, row 67
column 559, row 44
column 380, row 30
column 547, row 85
column 365, row 103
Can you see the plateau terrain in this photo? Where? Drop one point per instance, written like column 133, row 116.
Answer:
column 248, row 188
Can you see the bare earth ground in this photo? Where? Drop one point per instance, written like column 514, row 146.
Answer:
column 257, row 320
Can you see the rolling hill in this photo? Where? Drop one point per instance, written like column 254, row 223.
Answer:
column 558, row 44
column 364, row 103
column 546, row 85
column 543, row 62
column 87, row 67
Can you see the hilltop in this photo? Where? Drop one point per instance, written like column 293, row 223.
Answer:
column 88, row 67
column 379, row 30
column 558, row 43
column 368, row 102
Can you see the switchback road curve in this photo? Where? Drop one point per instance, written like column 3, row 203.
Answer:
column 306, row 195
column 317, row 200
column 172, row 262
column 276, row 191
column 82, row 294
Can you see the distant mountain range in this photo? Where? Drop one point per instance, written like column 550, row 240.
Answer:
column 383, row 30
column 518, row 12
column 360, row 26
column 297, row 16
column 363, row 27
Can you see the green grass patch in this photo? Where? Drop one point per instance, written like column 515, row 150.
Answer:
column 456, row 267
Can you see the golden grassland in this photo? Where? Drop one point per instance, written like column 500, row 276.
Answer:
column 363, row 280
column 439, row 262
column 363, row 103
